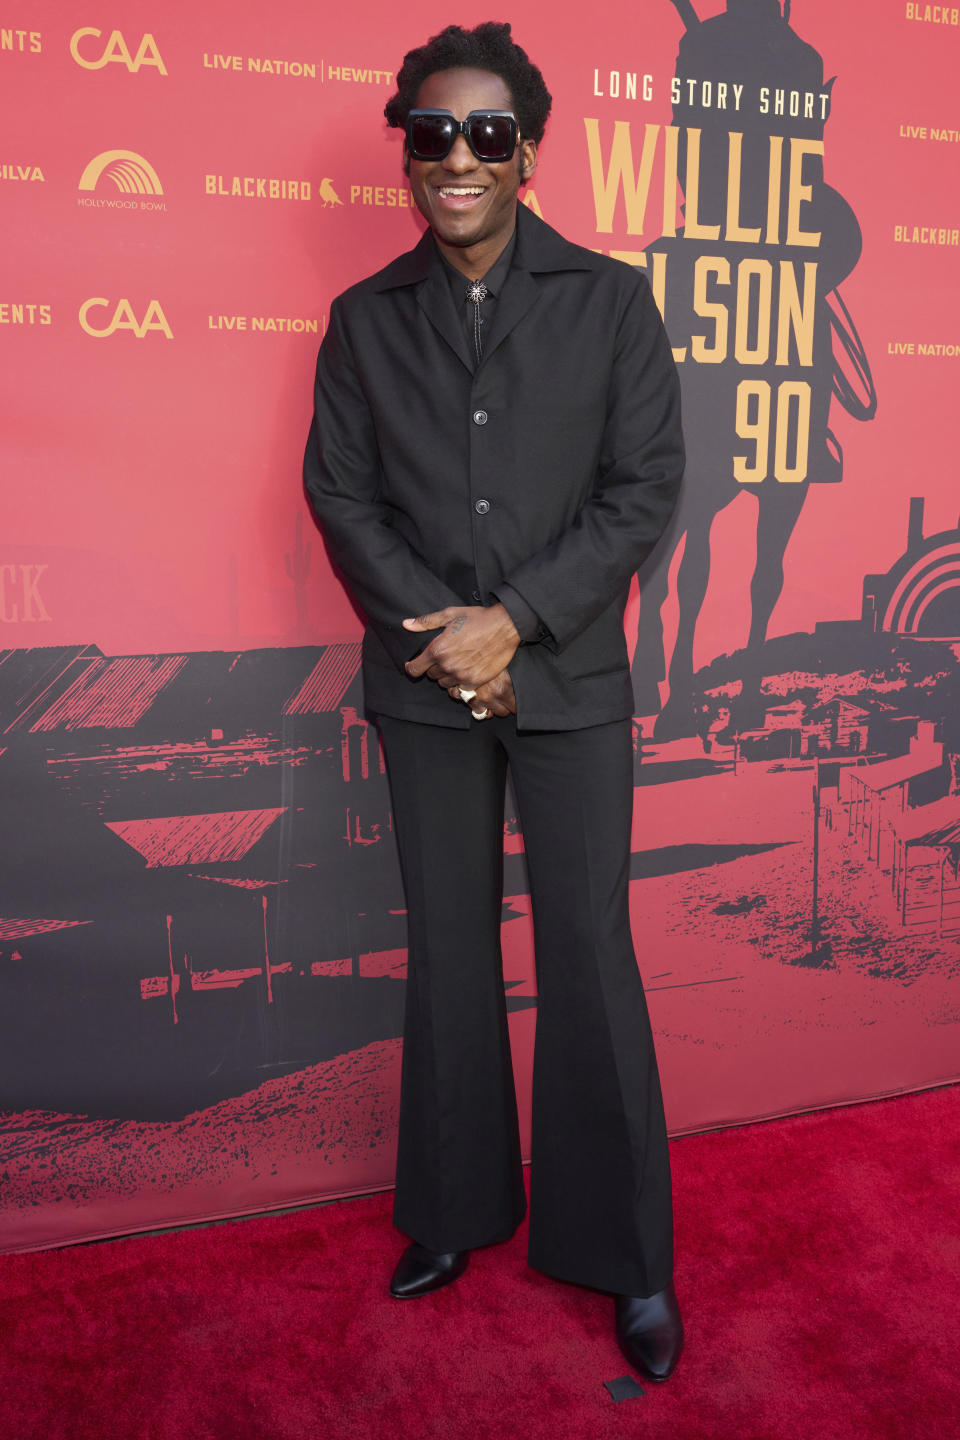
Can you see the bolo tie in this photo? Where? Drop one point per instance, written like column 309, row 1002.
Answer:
column 477, row 292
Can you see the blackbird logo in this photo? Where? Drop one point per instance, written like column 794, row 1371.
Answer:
column 327, row 194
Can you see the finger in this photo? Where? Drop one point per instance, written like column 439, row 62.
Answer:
column 492, row 691
column 497, row 695
column 425, row 664
column 486, row 699
column 434, row 621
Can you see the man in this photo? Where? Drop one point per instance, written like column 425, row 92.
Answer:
column 496, row 447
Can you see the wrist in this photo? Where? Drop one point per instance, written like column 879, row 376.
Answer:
column 510, row 631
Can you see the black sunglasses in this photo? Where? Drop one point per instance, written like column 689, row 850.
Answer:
column 491, row 134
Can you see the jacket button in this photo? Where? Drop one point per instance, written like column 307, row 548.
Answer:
column 475, row 596
column 479, row 417
column 482, row 507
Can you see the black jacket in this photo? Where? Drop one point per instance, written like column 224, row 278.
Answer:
column 555, row 467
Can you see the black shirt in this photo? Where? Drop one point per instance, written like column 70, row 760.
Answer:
column 523, row 616
column 493, row 280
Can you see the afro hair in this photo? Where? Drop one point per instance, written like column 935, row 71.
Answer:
column 487, row 47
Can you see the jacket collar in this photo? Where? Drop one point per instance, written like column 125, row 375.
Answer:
column 540, row 250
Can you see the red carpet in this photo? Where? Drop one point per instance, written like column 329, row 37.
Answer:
column 818, row 1266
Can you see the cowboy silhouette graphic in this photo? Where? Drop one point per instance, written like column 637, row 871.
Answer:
column 752, row 308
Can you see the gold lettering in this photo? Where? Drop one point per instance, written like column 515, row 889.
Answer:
column 116, row 50
column 757, row 430
column 716, row 353
column 11, row 616
column 747, row 272
column 608, row 180
column 75, row 39
column 671, row 135
column 786, row 473
column 774, row 181
column 30, row 579
column 796, row 316
column 798, row 193
column 124, row 318
column 692, row 228
column 735, row 231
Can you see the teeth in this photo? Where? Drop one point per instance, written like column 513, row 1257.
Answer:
column 461, row 189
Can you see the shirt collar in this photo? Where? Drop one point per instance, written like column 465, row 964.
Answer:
column 494, row 277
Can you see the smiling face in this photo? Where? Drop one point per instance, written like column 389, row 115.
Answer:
column 470, row 205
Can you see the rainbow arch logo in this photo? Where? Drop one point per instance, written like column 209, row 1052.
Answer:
column 130, row 172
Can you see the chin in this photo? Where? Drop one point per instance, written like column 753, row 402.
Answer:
column 463, row 239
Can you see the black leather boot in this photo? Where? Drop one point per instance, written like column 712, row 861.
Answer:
column 650, row 1332
column 420, row 1271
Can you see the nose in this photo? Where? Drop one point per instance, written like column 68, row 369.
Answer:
column 461, row 157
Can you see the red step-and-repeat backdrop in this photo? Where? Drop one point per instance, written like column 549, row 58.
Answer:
column 201, row 919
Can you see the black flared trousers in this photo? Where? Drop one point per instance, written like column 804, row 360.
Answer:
column 600, row 1210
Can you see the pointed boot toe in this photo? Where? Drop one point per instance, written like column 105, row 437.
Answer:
column 420, row 1271
column 650, row 1332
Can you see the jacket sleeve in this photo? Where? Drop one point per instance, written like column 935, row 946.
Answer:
column 342, row 474
column 570, row 582
column 527, row 621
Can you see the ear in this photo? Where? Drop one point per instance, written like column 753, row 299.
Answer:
column 528, row 160
column 406, row 159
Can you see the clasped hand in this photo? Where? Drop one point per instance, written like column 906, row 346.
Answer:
column 475, row 645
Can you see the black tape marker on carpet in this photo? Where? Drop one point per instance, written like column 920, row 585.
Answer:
column 624, row 1388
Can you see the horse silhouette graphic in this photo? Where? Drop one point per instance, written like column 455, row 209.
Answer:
column 763, row 340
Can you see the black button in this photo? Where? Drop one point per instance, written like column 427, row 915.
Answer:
column 482, row 507
column 479, row 417
column 475, row 595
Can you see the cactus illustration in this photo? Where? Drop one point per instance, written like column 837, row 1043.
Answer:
column 233, row 597
column 297, row 566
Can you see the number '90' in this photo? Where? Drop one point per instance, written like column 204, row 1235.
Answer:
column 791, row 432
